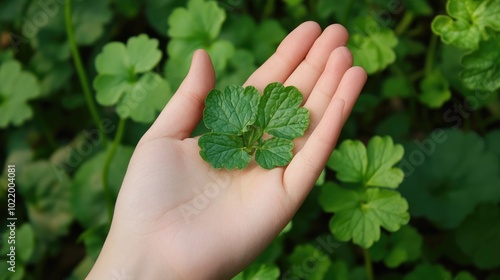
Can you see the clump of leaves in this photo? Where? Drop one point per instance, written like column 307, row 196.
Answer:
column 240, row 120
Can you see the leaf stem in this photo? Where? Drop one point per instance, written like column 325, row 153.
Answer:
column 404, row 23
column 80, row 70
column 429, row 59
column 368, row 264
column 107, row 165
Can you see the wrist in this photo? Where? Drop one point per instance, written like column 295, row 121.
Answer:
column 128, row 258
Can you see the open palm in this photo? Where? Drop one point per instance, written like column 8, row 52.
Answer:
column 190, row 221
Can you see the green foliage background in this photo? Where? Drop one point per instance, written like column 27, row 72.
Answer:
column 416, row 196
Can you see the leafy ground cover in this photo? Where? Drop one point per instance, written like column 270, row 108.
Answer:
column 412, row 190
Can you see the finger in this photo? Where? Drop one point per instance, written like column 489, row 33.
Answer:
column 311, row 68
column 339, row 62
column 288, row 55
column 184, row 110
column 307, row 164
column 350, row 87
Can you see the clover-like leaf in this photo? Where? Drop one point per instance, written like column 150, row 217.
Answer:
column 16, row 88
column 481, row 69
column 231, row 111
column 124, row 78
column 240, row 118
column 274, row 152
column 311, row 255
column 399, row 247
column 435, row 90
column 279, row 113
column 191, row 28
column 479, row 236
column 360, row 213
column 467, row 22
column 373, row 50
column 396, row 87
column 372, row 166
column 459, row 173
column 224, row 151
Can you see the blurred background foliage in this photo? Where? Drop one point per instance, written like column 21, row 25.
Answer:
column 432, row 94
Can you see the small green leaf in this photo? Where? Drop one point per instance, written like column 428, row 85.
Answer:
column 481, row 69
column 224, row 151
column 397, row 248
column 279, row 113
column 372, row 167
column 124, row 79
column 258, row 271
column 372, row 48
column 479, row 236
column 428, row 272
column 396, row 87
column 231, row 111
column 435, row 90
column 16, row 88
column 274, row 152
column 307, row 256
column 467, row 22
column 359, row 214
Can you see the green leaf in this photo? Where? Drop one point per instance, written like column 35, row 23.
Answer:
column 124, row 79
column 479, row 236
column 435, row 90
column 372, row 48
column 467, row 22
column 223, row 151
column 397, row 248
column 418, row 7
column 147, row 96
column 372, row 167
column 492, row 139
column 464, row 275
column 359, row 214
column 11, row 10
column 24, row 243
column 17, row 87
column 274, row 152
column 88, row 204
column 307, row 262
column 191, row 28
column 279, row 113
column 481, row 70
column 240, row 66
column 202, row 19
column 396, row 87
column 47, row 198
column 239, row 118
column 157, row 12
column 428, row 272
column 447, row 175
column 231, row 111
column 258, row 271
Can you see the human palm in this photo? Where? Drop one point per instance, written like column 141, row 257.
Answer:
column 194, row 222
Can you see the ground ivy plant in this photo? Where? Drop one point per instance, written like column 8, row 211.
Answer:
column 244, row 123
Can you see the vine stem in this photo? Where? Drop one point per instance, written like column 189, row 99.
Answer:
column 107, row 165
column 368, row 264
column 429, row 59
column 82, row 76
column 404, row 23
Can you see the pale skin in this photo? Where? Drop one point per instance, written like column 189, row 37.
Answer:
column 160, row 230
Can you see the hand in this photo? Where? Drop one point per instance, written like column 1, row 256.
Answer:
column 178, row 218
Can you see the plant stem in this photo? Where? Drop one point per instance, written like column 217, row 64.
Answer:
column 107, row 164
column 81, row 71
column 404, row 23
column 368, row 264
column 429, row 59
